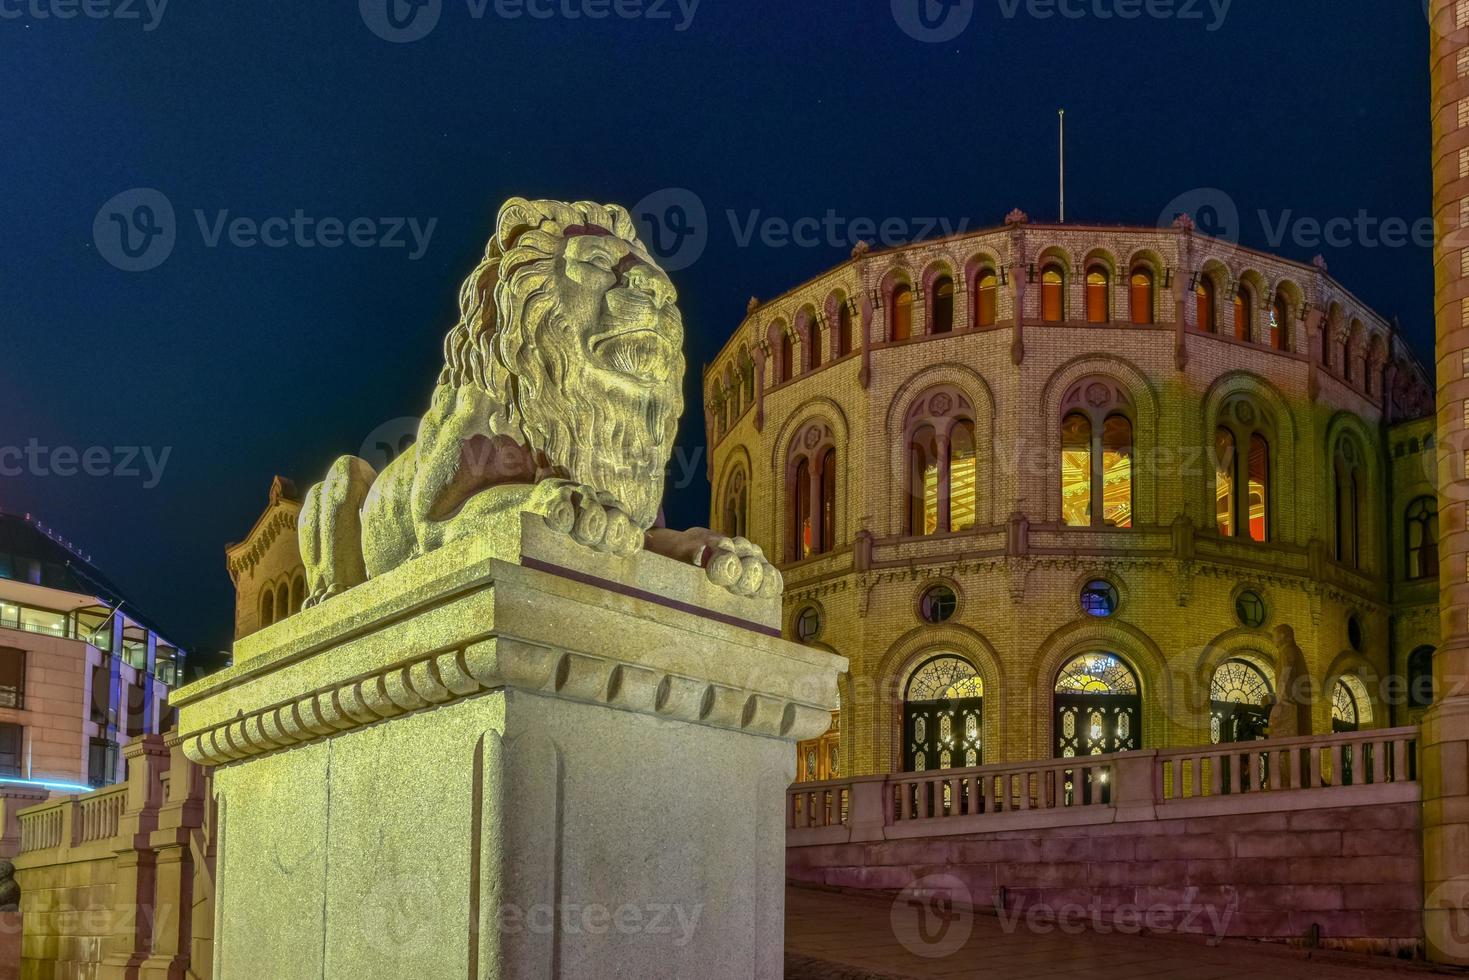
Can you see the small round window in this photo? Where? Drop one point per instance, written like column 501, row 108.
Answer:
column 1250, row 609
column 1354, row 633
column 937, row 603
column 1099, row 598
column 808, row 624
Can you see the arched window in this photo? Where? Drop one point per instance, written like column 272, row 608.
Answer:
column 1259, row 488
column 1053, row 294
column 1350, row 708
column 1326, row 332
column 943, row 716
column 1142, row 296
column 943, row 305
column 801, row 546
column 1279, row 324
column 1242, row 479
column 1347, row 465
column 828, row 480
column 844, row 328
column 987, row 297
column 1098, row 707
column 1208, row 313
column 267, row 607
column 963, row 476
column 1244, row 313
column 736, row 497
column 298, row 594
column 1096, row 456
column 785, row 358
column 282, row 601
column 1240, row 697
column 1420, row 677
column 1225, row 477
column 1420, row 531
column 813, row 336
column 901, row 312
column 923, row 482
column 813, row 473
column 1098, row 295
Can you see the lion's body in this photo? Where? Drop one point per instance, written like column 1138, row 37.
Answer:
column 560, row 395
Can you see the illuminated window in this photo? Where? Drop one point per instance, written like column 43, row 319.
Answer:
column 1142, row 297
column 1350, row 707
column 1240, row 697
column 901, row 312
column 1421, row 534
column 1097, row 709
column 844, row 329
column 923, row 488
column 801, row 546
column 963, row 476
column 1224, row 482
column 1099, row 598
column 828, row 500
column 1098, row 305
column 987, row 299
column 1244, row 313
column 943, row 718
column 1076, row 471
column 1117, row 472
column 1053, row 289
column 943, row 305
column 1208, row 314
column 1259, row 488
column 1348, row 503
column 813, row 471
column 1279, row 324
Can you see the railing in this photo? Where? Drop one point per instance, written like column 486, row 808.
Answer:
column 41, row 827
column 73, row 820
column 98, row 815
column 1376, row 757
column 1150, row 784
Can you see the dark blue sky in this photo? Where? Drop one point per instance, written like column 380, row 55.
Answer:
column 243, row 362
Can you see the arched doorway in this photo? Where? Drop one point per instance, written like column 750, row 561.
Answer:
column 1350, row 708
column 1098, row 706
column 943, row 716
column 1239, row 703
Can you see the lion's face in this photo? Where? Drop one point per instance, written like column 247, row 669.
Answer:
column 622, row 307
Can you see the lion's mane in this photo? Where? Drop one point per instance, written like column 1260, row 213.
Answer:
column 513, row 342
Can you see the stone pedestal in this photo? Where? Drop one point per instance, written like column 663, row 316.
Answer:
column 552, row 763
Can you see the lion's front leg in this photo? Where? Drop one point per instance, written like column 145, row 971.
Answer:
column 736, row 564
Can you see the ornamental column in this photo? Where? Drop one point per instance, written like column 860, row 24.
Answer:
column 509, row 759
column 1444, row 772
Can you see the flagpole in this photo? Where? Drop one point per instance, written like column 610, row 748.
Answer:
column 1062, row 114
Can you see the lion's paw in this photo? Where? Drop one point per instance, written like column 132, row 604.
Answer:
column 592, row 518
column 741, row 567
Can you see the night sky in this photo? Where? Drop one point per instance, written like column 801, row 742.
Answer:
column 242, row 360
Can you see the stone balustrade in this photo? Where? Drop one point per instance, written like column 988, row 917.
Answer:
column 1379, row 764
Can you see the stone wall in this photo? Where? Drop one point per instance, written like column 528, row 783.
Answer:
column 120, row 882
column 1351, row 874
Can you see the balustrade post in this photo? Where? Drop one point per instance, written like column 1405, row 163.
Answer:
column 1133, row 785
column 134, row 884
column 867, row 809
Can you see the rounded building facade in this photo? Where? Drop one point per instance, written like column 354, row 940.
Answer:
column 1059, row 490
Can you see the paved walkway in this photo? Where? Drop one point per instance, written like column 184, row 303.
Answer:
column 835, row 936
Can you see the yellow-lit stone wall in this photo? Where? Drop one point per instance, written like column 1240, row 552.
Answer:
column 1018, row 573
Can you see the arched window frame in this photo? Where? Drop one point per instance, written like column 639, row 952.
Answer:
column 1349, row 483
column 784, row 351
column 1052, row 279
column 1280, row 322
column 941, row 295
column 1206, row 304
column 1098, row 293
column 267, row 606
column 1420, row 538
column 839, row 309
column 810, row 333
column 735, row 511
column 938, row 414
column 1254, row 443
column 1104, row 404
column 1142, row 295
column 1244, row 312
column 986, row 297
column 812, row 484
column 900, row 311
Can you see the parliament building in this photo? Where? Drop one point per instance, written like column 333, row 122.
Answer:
column 1059, row 490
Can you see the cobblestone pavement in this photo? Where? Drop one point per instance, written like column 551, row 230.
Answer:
column 837, row 936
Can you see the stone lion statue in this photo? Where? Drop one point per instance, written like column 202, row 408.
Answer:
column 560, row 395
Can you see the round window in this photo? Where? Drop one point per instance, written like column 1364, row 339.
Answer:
column 1099, row 598
column 1250, row 609
column 937, row 603
column 1354, row 633
column 808, row 624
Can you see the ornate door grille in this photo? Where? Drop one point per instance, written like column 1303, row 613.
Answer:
column 944, row 734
